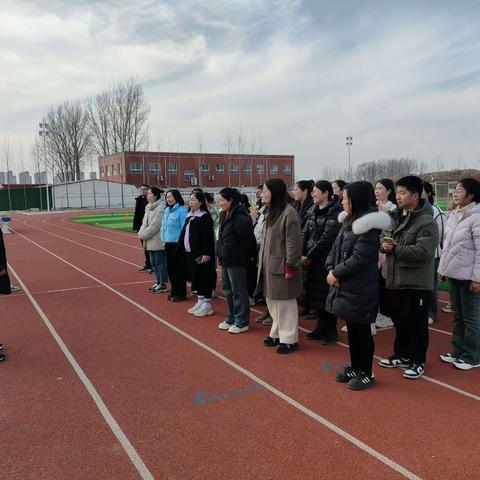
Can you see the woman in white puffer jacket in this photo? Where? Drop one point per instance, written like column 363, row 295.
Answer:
column 460, row 264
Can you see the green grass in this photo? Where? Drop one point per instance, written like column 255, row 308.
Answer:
column 114, row 221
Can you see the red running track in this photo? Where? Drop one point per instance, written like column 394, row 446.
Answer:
column 156, row 393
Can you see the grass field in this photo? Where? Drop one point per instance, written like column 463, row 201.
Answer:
column 114, row 221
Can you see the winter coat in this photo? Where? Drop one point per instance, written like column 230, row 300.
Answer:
column 411, row 265
column 260, row 225
column 353, row 260
column 236, row 242
column 150, row 229
column 5, row 288
column 461, row 248
column 281, row 246
column 303, row 210
column 172, row 223
column 319, row 234
column 441, row 218
column 387, row 207
column 200, row 235
column 140, row 204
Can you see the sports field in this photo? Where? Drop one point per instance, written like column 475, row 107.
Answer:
column 114, row 220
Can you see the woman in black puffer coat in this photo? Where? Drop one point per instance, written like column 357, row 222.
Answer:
column 353, row 278
column 319, row 234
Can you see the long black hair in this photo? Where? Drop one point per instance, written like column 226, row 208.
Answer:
column 325, row 186
column 428, row 188
column 278, row 201
column 472, row 187
column 200, row 196
column 157, row 192
column 389, row 185
column 362, row 198
column 232, row 195
column 176, row 195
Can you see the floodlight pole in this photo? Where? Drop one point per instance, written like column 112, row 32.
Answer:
column 44, row 132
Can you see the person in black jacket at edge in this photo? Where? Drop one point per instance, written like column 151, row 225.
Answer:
column 140, row 204
column 302, row 194
column 319, row 234
column 353, row 278
column 235, row 249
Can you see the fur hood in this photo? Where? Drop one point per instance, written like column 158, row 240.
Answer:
column 367, row 222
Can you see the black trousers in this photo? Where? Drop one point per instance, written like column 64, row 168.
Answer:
column 176, row 272
column 5, row 287
column 147, row 257
column 362, row 347
column 327, row 324
column 409, row 312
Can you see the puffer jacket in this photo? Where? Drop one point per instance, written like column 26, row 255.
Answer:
column 353, row 260
column 461, row 248
column 412, row 264
column 303, row 210
column 150, row 230
column 172, row 223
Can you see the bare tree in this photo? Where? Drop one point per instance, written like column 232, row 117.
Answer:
column 118, row 119
column 391, row 167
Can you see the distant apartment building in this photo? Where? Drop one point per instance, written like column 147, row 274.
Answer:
column 25, row 178
column 92, row 175
column 40, row 177
column 11, row 178
column 3, row 177
column 182, row 170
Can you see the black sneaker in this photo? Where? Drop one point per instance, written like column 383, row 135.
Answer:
column 160, row 289
column 415, row 370
column 329, row 340
column 362, row 381
column 284, row 348
column 303, row 311
column 176, row 299
column 144, row 270
column 271, row 342
column 312, row 315
column 345, row 376
column 316, row 334
column 394, row 362
column 2, row 357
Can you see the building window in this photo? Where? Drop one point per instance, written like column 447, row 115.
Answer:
column 135, row 168
column 154, row 167
column 204, row 167
column 188, row 174
column 219, row 168
column 273, row 168
column 172, row 168
column 234, row 168
column 120, row 169
column 247, row 168
column 287, row 168
column 260, row 169
column 102, row 172
column 114, row 169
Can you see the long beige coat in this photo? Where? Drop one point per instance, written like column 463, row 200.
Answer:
column 281, row 245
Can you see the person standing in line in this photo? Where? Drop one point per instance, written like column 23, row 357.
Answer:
column 319, row 234
column 302, row 194
column 236, row 248
column 386, row 202
column 409, row 245
column 140, row 204
column 338, row 187
column 441, row 218
column 212, row 209
column 172, row 223
column 149, row 233
column 197, row 246
column 353, row 278
column 460, row 265
column 279, row 276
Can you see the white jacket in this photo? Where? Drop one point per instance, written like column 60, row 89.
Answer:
column 150, row 230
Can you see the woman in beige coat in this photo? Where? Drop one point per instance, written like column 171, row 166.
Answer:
column 279, row 266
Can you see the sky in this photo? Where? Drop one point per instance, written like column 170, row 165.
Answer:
column 294, row 76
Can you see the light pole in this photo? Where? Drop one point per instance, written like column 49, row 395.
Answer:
column 44, row 132
column 349, row 141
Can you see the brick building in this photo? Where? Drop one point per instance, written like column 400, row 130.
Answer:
column 183, row 170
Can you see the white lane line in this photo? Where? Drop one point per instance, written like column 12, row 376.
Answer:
column 60, row 290
column 425, row 377
column 111, row 422
column 331, row 426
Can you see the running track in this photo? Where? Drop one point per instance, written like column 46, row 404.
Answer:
column 106, row 381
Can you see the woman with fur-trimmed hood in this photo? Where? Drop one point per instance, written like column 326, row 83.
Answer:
column 353, row 278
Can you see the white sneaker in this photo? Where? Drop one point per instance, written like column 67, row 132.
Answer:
column 204, row 311
column 224, row 326
column 344, row 329
column 383, row 321
column 430, row 320
column 373, row 328
column 447, row 358
column 463, row 365
column 194, row 308
column 235, row 329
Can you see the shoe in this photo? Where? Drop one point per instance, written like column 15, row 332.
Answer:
column 430, row 320
column 1, row 346
column 224, row 326
column 153, row 287
column 235, row 329
column 383, row 321
column 394, row 362
column 362, row 381
column 316, row 334
column 448, row 358
column 268, row 322
column 144, row 270
column 205, row 310
column 447, row 308
column 311, row 316
column 2, row 357
column 14, row 288
column 303, row 311
column 415, row 370
column 344, row 329
column 251, row 301
column 373, row 328
column 214, row 295
column 260, row 301
column 160, row 289
column 194, row 308
column 284, row 348
column 463, row 365
column 271, row 342
column 176, row 299
column 329, row 340
column 345, row 376
column 262, row 317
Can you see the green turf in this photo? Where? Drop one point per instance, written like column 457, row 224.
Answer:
column 114, row 221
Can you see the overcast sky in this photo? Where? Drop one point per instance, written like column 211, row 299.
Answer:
column 401, row 78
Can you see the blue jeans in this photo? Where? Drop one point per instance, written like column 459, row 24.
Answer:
column 157, row 259
column 466, row 321
column 235, row 289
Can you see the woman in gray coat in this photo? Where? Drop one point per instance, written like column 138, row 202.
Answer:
column 279, row 266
